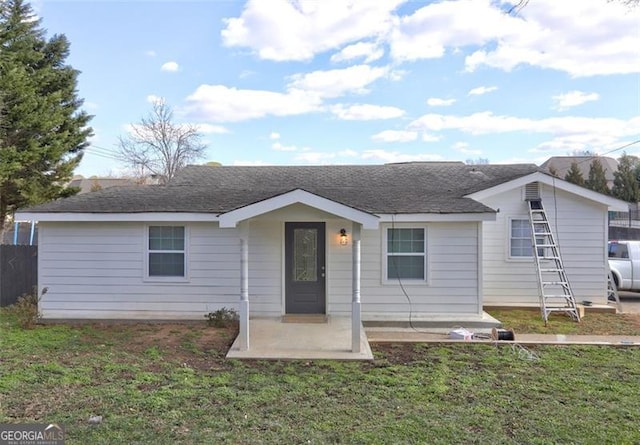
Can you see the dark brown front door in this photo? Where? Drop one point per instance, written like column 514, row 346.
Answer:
column 305, row 268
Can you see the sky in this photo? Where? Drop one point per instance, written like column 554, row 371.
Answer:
column 308, row 82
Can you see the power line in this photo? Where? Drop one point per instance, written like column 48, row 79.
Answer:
column 592, row 157
column 103, row 152
column 103, row 149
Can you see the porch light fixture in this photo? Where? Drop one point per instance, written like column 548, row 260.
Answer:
column 343, row 237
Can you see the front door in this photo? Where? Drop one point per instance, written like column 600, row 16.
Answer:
column 305, row 268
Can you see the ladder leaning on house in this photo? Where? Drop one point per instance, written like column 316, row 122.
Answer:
column 553, row 286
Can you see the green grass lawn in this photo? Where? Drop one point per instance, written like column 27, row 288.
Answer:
column 593, row 323
column 165, row 384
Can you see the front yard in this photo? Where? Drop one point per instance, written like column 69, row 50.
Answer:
column 170, row 383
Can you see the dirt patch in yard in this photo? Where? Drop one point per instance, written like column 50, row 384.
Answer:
column 192, row 344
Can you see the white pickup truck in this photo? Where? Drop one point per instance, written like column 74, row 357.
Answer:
column 624, row 262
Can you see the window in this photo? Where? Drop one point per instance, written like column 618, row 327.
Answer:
column 166, row 251
column 406, row 254
column 618, row 251
column 520, row 239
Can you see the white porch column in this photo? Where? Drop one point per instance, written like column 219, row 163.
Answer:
column 356, row 318
column 243, row 335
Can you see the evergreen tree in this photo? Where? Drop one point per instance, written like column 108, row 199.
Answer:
column 574, row 174
column 625, row 180
column 42, row 129
column 597, row 180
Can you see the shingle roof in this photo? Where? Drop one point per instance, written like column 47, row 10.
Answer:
column 421, row 187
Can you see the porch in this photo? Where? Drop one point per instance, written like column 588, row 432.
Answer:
column 271, row 338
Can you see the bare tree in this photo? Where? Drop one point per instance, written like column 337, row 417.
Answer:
column 158, row 146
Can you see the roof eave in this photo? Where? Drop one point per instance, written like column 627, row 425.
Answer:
column 115, row 217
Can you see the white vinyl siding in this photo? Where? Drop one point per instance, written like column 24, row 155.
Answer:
column 580, row 229
column 452, row 272
column 98, row 270
column 405, row 254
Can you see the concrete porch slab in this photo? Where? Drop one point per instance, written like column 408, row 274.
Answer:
column 271, row 339
column 436, row 323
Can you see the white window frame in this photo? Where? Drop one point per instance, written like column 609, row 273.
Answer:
column 385, row 255
column 147, row 252
column 510, row 239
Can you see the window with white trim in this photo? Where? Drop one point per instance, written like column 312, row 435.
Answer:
column 520, row 239
column 406, row 254
column 166, row 251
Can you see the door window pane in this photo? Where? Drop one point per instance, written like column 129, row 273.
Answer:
column 305, row 255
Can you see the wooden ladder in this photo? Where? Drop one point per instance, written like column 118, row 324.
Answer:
column 553, row 286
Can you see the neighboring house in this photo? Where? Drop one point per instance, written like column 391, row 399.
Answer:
column 560, row 165
column 419, row 240
column 95, row 183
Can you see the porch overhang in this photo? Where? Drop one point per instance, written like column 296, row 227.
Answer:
column 298, row 196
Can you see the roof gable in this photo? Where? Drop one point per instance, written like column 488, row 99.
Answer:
column 231, row 218
column 550, row 180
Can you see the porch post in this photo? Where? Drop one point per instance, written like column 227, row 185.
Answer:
column 243, row 335
column 356, row 319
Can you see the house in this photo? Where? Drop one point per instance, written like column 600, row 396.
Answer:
column 378, row 243
column 96, row 183
column 560, row 165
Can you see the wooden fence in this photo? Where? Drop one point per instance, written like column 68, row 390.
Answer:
column 18, row 272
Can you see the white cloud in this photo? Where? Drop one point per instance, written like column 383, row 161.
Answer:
column 567, row 133
column 604, row 40
column 481, row 90
column 427, row 32
column 545, row 34
column 211, row 129
column 395, row 136
column 305, row 93
column 365, row 112
column 299, row 30
column 152, row 98
column 336, row 83
column 274, row 135
column 170, row 67
column 427, row 137
column 463, row 147
column 150, row 53
column 366, row 50
column 277, row 146
column 315, row 157
column 219, row 103
column 394, row 156
column 486, row 123
column 573, row 99
column 438, row 102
